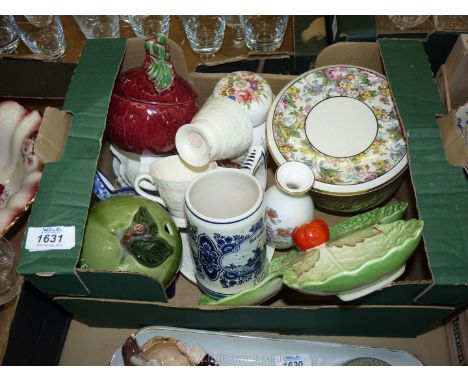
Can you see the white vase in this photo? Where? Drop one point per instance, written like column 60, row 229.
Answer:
column 288, row 203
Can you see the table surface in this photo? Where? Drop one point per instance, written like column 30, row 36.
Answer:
column 86, row 345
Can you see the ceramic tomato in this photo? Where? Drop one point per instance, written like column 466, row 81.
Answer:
column 311, row 234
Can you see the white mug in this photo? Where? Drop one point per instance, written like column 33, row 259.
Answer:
column 170, row 177
column 225, row 214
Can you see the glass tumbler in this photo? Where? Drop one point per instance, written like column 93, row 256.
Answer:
column 204, row 33
column 10, row 280
column 234, row 23
column 9, row 39
column 149, row 26
column 99, row 26
column 264, row 34
column 44, row 35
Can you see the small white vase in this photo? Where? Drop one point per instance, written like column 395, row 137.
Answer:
column 288, row 203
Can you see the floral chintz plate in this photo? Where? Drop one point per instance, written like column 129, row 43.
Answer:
column 342, row 122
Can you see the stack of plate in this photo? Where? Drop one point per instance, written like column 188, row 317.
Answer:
column 342, row 122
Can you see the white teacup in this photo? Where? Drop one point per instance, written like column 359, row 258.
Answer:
column 170, row 177
column 225, row 214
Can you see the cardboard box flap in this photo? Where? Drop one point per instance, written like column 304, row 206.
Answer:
column 52, row 135
column 122, row 286
column 394, row 321
column 456, row 69
column 66, row 187
column 440, row 188
column 351, row 53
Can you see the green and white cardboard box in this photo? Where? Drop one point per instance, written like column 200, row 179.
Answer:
column 435, row 282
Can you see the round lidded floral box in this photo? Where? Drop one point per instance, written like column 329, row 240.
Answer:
column 342, row 122
column 248, row 89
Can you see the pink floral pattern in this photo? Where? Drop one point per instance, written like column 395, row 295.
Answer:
column 371, row 88
column 3, row 196
column 30, row 158
column 244, row 87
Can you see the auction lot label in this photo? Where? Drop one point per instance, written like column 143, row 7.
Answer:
column 49, row 238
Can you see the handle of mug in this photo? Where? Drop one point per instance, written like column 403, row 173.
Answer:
column 136, row 185
column 255, row 159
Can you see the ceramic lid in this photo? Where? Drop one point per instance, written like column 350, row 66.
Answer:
column 342, row 122
column 248, row 89
column 155, row 81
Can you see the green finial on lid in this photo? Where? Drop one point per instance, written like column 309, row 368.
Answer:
column 159, row 70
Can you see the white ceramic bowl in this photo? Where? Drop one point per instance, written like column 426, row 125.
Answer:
column 249, row 90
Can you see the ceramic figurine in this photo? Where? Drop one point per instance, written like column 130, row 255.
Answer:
column 288, row 203
column 164, row 351
column 20, row 168
column 149, row 104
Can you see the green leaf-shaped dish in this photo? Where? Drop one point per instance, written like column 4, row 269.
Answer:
column 363, row 257
column 272, row 283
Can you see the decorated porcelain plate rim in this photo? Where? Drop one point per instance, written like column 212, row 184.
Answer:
column 318, row 185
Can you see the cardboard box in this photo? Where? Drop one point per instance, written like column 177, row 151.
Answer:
column 438, row 33
column 350, row 28
column 451, row 76
column 35, row 85
column 454, row 139
column 433, row 286
column 452, row 83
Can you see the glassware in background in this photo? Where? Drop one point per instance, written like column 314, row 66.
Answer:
column 39, row 21
column 10, row 280
column 9, row 39
column 42, row 36
column 233, row 22
column 125, row 18
column 99, row 26
column 264, row 34
column 150, row 26
column 204, row 33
